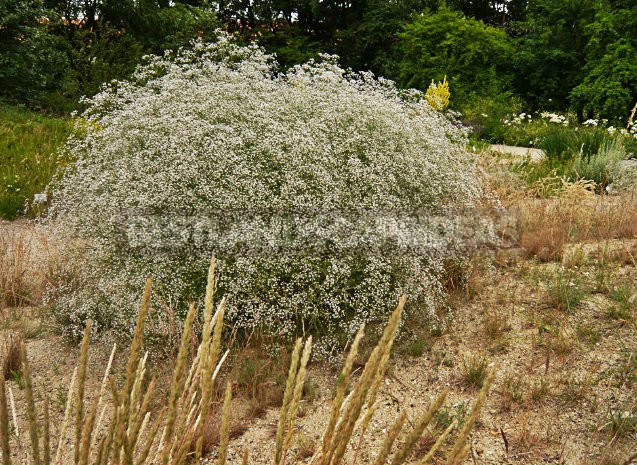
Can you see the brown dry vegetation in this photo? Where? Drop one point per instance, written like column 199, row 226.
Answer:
column 127, row 436
column 554, row 305
column 546, row 226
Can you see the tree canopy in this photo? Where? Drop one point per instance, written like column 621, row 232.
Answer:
column 558, row 55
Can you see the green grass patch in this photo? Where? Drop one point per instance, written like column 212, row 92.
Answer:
column 28, row 155
column 564, row 291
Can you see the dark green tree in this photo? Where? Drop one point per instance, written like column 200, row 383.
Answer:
column 472, row 55
column 551, row 54
column 609, row 86
column 32, row 61
column 368, row 42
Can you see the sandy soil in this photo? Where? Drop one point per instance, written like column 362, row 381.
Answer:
column 585, row 359
column 536, row 155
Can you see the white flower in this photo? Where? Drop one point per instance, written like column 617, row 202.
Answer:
column 324, row 195
column 39, row 198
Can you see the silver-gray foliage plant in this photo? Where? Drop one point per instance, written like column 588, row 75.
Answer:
column 323, row 194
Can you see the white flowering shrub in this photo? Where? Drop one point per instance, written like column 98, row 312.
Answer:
column 324, row 195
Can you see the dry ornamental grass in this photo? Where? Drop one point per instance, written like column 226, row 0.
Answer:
column 176, row 434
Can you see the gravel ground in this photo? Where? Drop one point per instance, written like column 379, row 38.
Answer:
column 587, row 380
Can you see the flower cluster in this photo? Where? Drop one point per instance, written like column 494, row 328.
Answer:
column 518, row 119
column 555, row 118
column 323, row 194
column 437, row 95
column 630, row 130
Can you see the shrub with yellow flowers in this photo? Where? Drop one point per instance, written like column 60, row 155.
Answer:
column 437, row 95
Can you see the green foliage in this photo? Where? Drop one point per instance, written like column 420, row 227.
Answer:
column 599, row 166
column 49, row 62
column 290, row 45
column 564, row 291
column 99, row 55
column 28, row 158
column 475, row 371
column 465, row 50
column 368, row 43
column 623, row 307
column 609, row 88
column 485, row 116
column 416, row 347
column 573, row 151
column 172, row 27
column 32, row 61
column 551, row 51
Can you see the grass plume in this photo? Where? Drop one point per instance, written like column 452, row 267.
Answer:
column 224, row 438
column 4, row 424
column 32, row 415
column 132, row 435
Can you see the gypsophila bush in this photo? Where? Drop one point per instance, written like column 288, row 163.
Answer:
column 323, row 194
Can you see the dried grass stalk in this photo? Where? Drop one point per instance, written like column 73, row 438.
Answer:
column 32, row 415
column 341, row 385
column 351, row 414
column 9, row 352
column 461, row 446
column 67, row 415
column 403, row 453
column 87, row 432
column 438, row 443
column 4, row 424
column 79, row 398
column 103, row 386
column 13, row 414
column 177, row 387
column 46, row 452
column 296, row 398
column 224, row 437
column 287, row 397
column 394, row 431
column 205, row 383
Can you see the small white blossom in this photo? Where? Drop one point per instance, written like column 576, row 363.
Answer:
column 324, row 195
column 39, row 198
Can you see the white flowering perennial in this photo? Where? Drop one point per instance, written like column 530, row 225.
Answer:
column 324, row 195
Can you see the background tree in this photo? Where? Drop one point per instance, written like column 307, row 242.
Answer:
column 557, row 55
column 551, row 55
column 609, row 86
column 32, row 61
column 472, row 55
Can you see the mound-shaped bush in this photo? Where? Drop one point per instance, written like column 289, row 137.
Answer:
column 323, row 194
